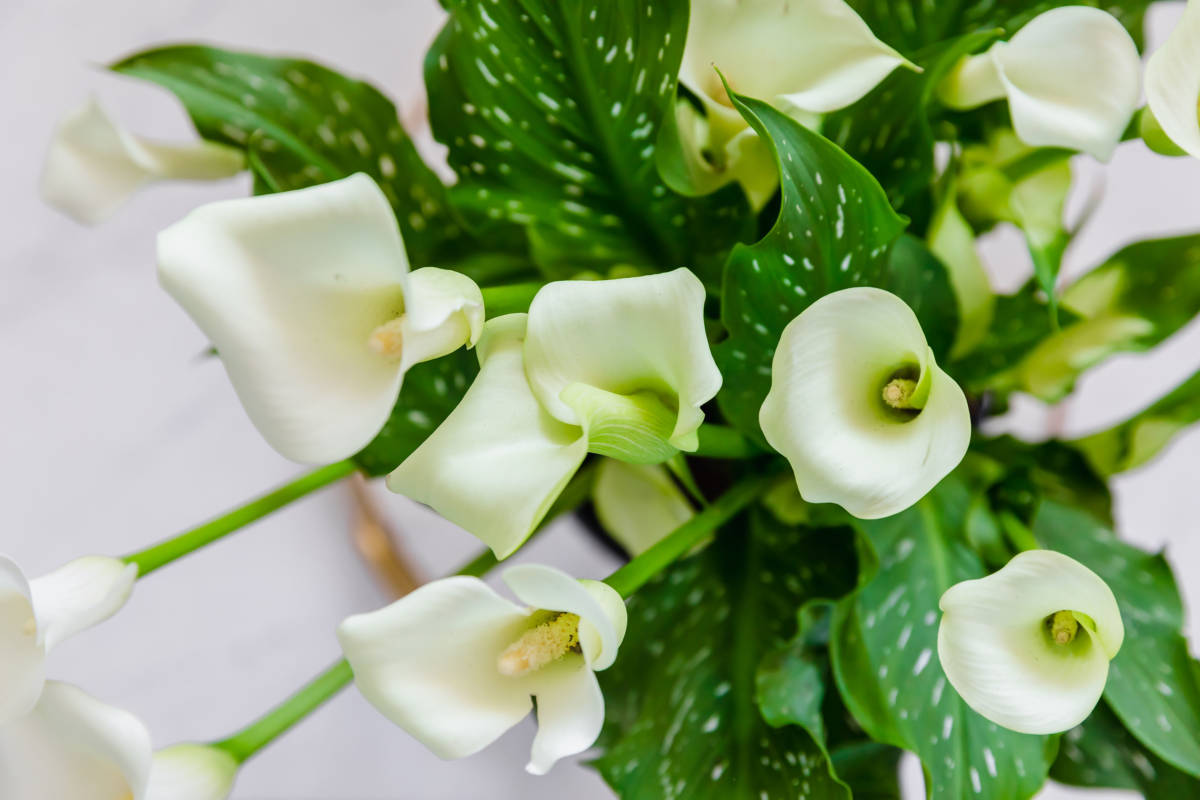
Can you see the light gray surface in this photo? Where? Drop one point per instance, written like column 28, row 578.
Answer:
column 117, row 433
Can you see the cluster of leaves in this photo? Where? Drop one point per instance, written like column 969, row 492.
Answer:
column 785, row 659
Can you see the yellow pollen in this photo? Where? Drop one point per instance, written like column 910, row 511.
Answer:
column 1063, row 627
column 30, row 628
column 388, row 338
column 898, row 392
column 540, row 646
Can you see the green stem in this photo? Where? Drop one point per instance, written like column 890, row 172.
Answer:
column 629, row 578
column 1034, row 161
column 511, row 299
column 165, row 552
column 718, row 441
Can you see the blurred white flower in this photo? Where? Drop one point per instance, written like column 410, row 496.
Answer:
column 638, row 504
column 39, row 614
column 191, row 772
column 308, row 299
column 1071, row 77
column 94, row 165
column 807, row 57
column 455, row 664
column 72, row 746
column 1028, row 646
column 860, row 408
column 617, row 367
column 1173, row 82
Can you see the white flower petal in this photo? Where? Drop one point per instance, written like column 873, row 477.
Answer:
column 428, row 662
column 818, row 54
column 497, row 463
column 1072, row 79
column 624, row 336
column 80, row 594
column 570, row 712
column 826, row 415
column 289, row 288
column 994, row 647
column 22, row 653
column 444, row 310
column 601, row 610
column 638, row 504
column 1173, row 82
column 93, row 165
column 74, row 746
column 191, row 772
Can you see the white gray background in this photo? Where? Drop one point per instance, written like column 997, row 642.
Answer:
column 117, row 434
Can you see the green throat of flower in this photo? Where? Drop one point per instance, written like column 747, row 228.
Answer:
column 906, row 391
column 1062, row 627
column 541, row 645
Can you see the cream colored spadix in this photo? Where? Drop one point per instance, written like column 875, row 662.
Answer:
column 808, row 57
column 1028, row 646
column 1070, row 75
column 456, row 665
column 860, row 408
column 308, row 299
column 618, row 367
column 71, row 745
column 36, row 615
column 94, row 165
column 1173, row 82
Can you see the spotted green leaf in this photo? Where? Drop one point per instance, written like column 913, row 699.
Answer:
column 885, row 660
column 1101, row 753
column 551, row 112
column 1153, row 683
column 682, row 721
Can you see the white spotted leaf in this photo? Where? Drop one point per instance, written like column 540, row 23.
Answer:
column 682, row 719
column 551, row 113
column 884, row 644
column 1153, row 683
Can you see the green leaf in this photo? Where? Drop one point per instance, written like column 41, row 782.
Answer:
column 682, row 721
column 551, row 112
column 1101, row 753
column 871, row 769
column 1054, row 470
column 885, row 657
column 303, row 124
column 835, row 230
column 1153, row 683
column 1140, row 438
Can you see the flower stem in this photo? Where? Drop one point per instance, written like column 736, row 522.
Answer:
column 511, row 299
column 629, row 578
column 165, row 552
column 718, row 441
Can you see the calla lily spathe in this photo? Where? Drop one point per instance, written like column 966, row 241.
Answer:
column 71, row 745
column 1173, row 82
column 456, row 665
column 191, row 772
column 859, row 407
column 1070, row 75
column 308, row 299
column 809, row 57
column 36, row 615
column 618, row 367
column 638, row 504
column 1028, row 646
column 94, row 165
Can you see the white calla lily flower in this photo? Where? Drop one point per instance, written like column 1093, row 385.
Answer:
column 808, row 57
column 191, row 772
column 71, row 745
column 618, row 367
column 860, row 408
column 638, row 504
column 1070, row 75
column 308, row 299
column 1028, row 646
column 456, row 665
column 1173, row 82
column 36, row 615
column 94, row 165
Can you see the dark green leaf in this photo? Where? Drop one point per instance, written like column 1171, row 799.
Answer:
column 871, row 769
column 886, row 665
column 682, row 719
column 1101, row 753
column 1055, row 470
column 551, row 112
column 1153, row 683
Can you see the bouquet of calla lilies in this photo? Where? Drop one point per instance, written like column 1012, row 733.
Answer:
column 707, row 276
